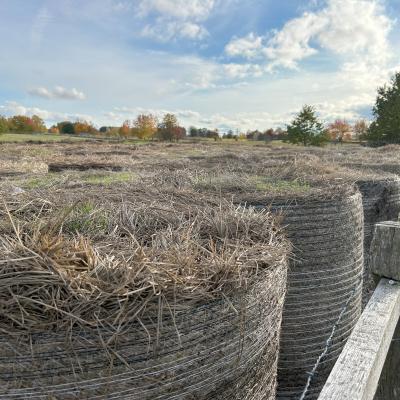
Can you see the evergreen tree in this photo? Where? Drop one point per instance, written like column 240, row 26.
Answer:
column 306, row 129
column 386, row 125
column 66, row 127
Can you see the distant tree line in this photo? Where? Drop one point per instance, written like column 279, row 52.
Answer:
column 22, row 123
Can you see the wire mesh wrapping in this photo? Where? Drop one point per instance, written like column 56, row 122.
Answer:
column 381, row 202
column 217, row 355
column 327, row 237
column 151, row 327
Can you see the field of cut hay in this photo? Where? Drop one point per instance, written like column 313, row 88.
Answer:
column 183, row 270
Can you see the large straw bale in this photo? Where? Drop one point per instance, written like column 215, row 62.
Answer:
column 175, row 305
column 324, row 275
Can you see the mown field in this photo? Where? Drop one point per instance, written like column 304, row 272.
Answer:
column 185, row 256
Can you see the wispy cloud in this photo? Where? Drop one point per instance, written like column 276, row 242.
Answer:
column 40, row 22
column 58, row 92
column 175, row 18
column 181, row 9
column 249, row 46
column 164, row 31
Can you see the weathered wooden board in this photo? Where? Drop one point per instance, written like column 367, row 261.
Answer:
column 389, row 383
column 358, row 369
column 385, row 250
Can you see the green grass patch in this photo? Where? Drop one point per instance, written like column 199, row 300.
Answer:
column 39, row 182
column 86, row 218
column 36, row 137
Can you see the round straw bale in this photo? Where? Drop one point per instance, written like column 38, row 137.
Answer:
column 380, row 197
column 325, row 277
column 194, row 313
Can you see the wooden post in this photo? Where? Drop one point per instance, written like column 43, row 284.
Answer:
column 365, row 361
column 385, row 251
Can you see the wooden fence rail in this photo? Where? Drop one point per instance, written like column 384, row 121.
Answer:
column 367, row 368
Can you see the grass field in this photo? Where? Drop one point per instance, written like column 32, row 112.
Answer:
column 44, row 138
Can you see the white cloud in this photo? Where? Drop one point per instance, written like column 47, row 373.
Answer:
column 292, row 43
column 248, row 46
column 58, row 92
column 41, row 92
column 235, row 71
column 175, row 18
column 352, row 29
column 167, row 30
column 15, row 108
column 181, row 9
column 355, row 29
column 347, row 108
column 356, row 26
column 354, row 34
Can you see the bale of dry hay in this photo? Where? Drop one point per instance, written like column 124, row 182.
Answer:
column 184, row 307
column 380, row 197
column 325, row 276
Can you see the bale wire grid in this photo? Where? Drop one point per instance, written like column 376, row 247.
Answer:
column 327, row 239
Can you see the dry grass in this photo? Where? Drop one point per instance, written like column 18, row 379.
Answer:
column 91, row 266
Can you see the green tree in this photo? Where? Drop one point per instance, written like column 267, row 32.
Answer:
column 66, row 127
column 168, row 128
column 306, row 129
column 3, row 125
column 386, row 125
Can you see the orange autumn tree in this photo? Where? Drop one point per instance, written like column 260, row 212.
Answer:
column 340, row 130
column 82, row 126
column 145, row 126
column 125, row 129
column 54, row 129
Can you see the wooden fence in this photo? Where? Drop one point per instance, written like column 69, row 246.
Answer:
column 369, row 365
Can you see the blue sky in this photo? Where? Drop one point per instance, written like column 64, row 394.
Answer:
column 239, row 64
